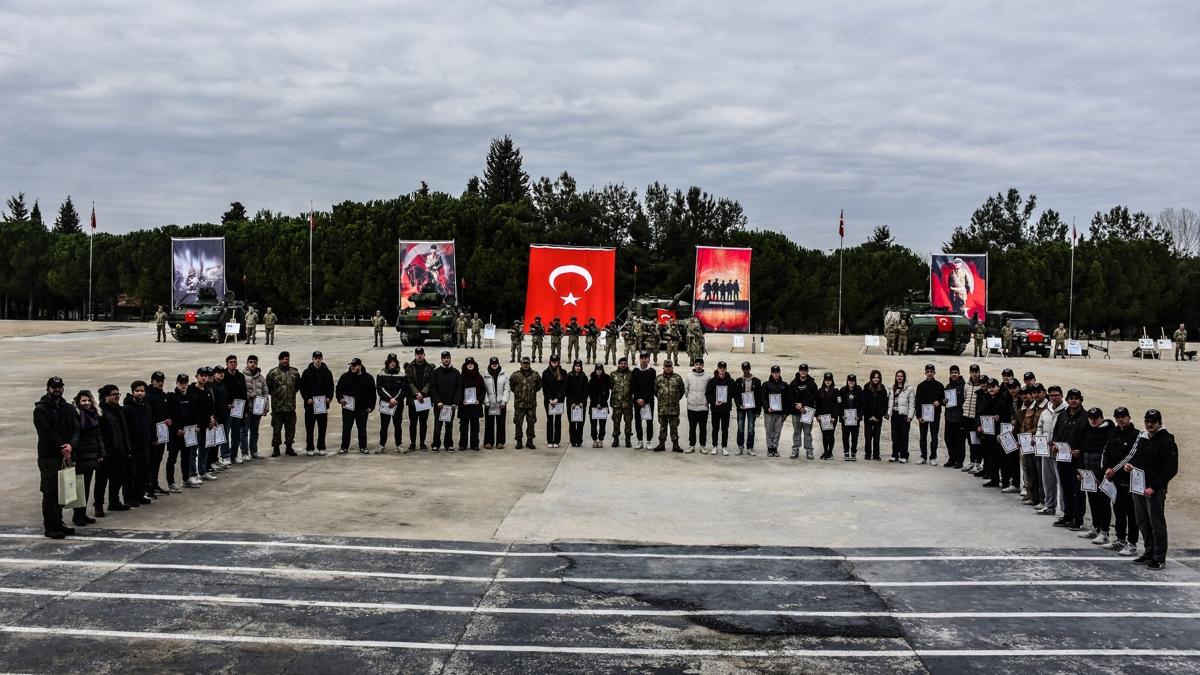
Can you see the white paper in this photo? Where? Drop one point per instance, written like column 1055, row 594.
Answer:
column 722, row 394
column 489, row 331
column 1087, row 480
column 599, row 413
column 320, row 405
column 739, row 341
column 162, row 432
column 1109, row 488
column 1008, row 442
column 850, row 417
column 577, row 413
column 423, row 404
column 191, row 436
column 775, row 402
column 1062, row 452
column 1166, row 345
column 210, row 438
column 233, row 328
column 1075, row 349
column 748, row 399
column 1137, row 482
column 558, row 408
column 806, row 417
column 870, row 340
column 994, row 343
column 974, row 438
column 951, row 398
column 386, row 408
column 1006, row 428
column 826, row 422
column 927, row 412
column 1026, row 443
column 988, row 424
column 219, row 435
column 1041, row 445
column 494, row 409
column 646, row 413
column 470, row 396
column 239, row 408
column 446, row 413
column 260, row 405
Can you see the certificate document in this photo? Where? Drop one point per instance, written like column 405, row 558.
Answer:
column 260, row 406
column 239, row 408
column 320, row 405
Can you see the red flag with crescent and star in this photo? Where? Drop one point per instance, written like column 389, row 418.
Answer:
column 570, row 281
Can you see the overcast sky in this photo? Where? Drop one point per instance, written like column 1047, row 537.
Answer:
column 905, row 113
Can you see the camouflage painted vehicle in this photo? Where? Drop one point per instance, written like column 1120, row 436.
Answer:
column 431, row 318
column 648, row 307
column 930, row 326
column 205, row 318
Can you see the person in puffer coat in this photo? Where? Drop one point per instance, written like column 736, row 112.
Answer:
column 696, row 387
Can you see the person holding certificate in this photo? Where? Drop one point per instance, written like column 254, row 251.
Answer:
column 828, row 411
column 1026, row 422
column 802, row 391
column 235, row 387
column 183, row 414
column 954, row 433
column 850, row 407
column 391, row 385
column 875, row 401
column 317, row 380
column 1157, row 457
column 355, row 392
column 445, row 385
column 205, row 408
column 470, row 405
column 157, row 398
column 997, row 407
column 901, row 414
column 420, row 398
column 495, row 381
column 776, row 400
column 1092, row 442
column 599, row 391
column 577, row 399
column 748, row 393
column 642, row 382
column 696, row 392
column 1068, row 429
column 975, row 388
column 1117, row 452
column 554, row 395
column 719, row 393
column 1049, row 468
column 928, row 401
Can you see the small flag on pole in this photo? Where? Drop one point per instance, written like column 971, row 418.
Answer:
column 312, row 221
column 93, row 217
column 463, row 282
column 1074, row 234
column 842, row 223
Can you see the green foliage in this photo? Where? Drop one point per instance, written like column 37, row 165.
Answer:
column 504, row 181
column 35, row 216
column 17, row 211
column 67, row 221
column 235, row 214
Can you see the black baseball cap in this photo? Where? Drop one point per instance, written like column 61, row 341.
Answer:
column 1095, row 413
column 202, row 371
column 1006, row 372
column 182, row 377
column 554, row 358
column 1121, row 411
column 1028, row 375
column 1153, row 415
column 391, row 357
column 827, row 376
column 493, row 360
column 55, row 381
column 355, row 362
column 722, row 364
column 697, row 361
column 802, row 366
column 1074, row 392
column 157, row 376
column 445, row 355
column 745, row 365
column 852, row 377
column 974, row 368
column 419, row 350
column 285, row 354
column 774, row 369
column 317, row 355
column 993, row 382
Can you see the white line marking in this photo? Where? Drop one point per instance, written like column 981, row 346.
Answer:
column 573, row 554
column 605, row 651
column 300, row 571
column 470, row 609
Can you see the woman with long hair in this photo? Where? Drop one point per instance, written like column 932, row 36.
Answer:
column 577, row 398
column 901, row 414
column 828, row 410
column 89, row 452
column 599, row 391
column 875, row 409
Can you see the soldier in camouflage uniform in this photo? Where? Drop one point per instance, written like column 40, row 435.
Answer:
column 1006, row 335
column 556, row 335
column 537, row 333
column 476, row 331
column 591, row 335
column 251, row 326
column 668, row 389
column 525, row 384
column 377, row 323
column 283, row 382
column 460, row 331
column 1060, row 341
column 979, row 334
column 629, row 336
column 573, row 331
column 269, row 324
column 160, row 325
column 621, row 402
column 695, row 340
column 517, row 335
column 1179, row 337
column 902, row 337
column 610, row 341
column 653, row 338
column 889, row 335
column 673, row 338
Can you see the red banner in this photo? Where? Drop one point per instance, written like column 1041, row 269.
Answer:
column 567, row 282
column 721, row 299
column 427, row 266
column 958, row 282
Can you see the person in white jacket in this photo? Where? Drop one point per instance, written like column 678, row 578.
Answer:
column 1045, row 427
column 695, row 386
column 900, row 412
column 495, row 402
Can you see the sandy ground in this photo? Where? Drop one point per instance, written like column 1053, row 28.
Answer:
column 579, row 494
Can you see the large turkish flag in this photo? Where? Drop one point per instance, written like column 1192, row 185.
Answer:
column 568, row 281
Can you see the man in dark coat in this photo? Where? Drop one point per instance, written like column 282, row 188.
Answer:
column 57, row 426
column 356, row 393
column 114, row 471
column 316, row 380
column 445, row 385
column 1158, row 456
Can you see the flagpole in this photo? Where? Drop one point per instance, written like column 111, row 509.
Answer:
column 1071, row 301
column 310, row 260
column 91, row 235
column 841, row 241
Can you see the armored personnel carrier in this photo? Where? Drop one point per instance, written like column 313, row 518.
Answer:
column 930, row 326
column 205, row 318
column 431, row 318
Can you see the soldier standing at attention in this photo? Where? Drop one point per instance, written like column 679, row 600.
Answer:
column 1180, row 337
column 476, row 331
column 378, row 322
column 695, row 339
column 160, row 324
column 1006, row 337
column 673, row 338
column 525, row 384
column 978, row 333
column 556, row 335
column 591, row 335
column 639, row 331
column 269, row 324
column 668, row 389
column 573, row 331
column 251, row 326
column 1060, row 341
column 610, row 341
column 627, row 335
column 460, row 331
column 537, row 333
column 282, row 384
column 621, row 402
column 902, row 336
column 889, row 335
column 517, row 335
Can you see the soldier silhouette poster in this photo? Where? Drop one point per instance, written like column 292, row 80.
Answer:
column 721, row 294
column 959, row 281
column 196, row 264
column 427, row 267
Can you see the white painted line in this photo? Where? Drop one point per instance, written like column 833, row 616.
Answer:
column 472, row 609
column 301, row 571
column 603, row 651
column 574, row 554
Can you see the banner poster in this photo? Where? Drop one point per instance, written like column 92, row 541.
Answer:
column 721, row 293
column 427, row 267
column 959, row 281
column 571, row 281
column 196, row 263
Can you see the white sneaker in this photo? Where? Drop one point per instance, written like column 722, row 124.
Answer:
column 193, row 482
column 750, row 452
column 637, row 445
column 740, row 451
column 689, row 451
column 933, row 462
column 724, row 451
column 1130, row 549
column 247, row 457
column 310, row 453
column 237, row 460
column 1088, row 534
column 210, row 476
column 921, row 461
column 1101, row 539
column 173, row 488
column 1116, row 544
column 703, row 450
column 321, row 453
column 380, row 450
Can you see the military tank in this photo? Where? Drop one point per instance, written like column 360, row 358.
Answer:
column 430, row 318
column 930, row 326
column 205, row 318
column 648, row 307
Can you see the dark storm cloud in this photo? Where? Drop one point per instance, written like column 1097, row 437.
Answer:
column 901, row 113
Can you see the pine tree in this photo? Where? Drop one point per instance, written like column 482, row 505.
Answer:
column 504, row 181
column 235, row 214
column 35, row 216
column 67, row 221
column 17, row 211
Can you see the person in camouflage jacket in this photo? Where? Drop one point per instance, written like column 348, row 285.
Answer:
column 621, row 402
column 525, row 385
column 591, row 333
column 283, row 383
column 669, row 390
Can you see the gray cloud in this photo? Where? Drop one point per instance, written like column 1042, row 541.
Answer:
column 909, row 113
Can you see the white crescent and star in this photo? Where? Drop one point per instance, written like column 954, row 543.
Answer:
column 570, row 298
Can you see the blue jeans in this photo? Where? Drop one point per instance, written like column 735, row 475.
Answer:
column 250, row 433
column 745, row 427
column 236, row 436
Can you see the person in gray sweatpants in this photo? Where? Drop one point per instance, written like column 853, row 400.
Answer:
column 802, row 394
column 1050, row 496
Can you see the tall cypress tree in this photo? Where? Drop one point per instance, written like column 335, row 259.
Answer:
column 35, row 216
column 67, row 221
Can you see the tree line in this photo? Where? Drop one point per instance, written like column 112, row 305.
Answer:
column 1131, row 270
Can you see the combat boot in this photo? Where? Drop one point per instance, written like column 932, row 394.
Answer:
column 661, row 447
column 675, row 446
column 616, row 443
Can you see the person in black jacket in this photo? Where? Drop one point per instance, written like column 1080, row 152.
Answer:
column 471, row 397
column 204, row 407
column 235, row 390
column 114, row 469
column 57, row 426
column 1094, row 437
column 554, row 391
column 643, row 395
column 355, row 392
column 776, row 404
column 419, row 373
column 747, row 407
column 1158, row 456
column 218, row 456
column 1067, row 429
column 88, row 452
column 157, row 398
column 828, row 410
column 850, row 410
column 316, row 380
column 1117, row 452
column 802, row 392
column 392, row 386
column 183, row 415
column 599, row 390
column 875, row 401
column 720, row 409
column 996, row 403
column 445, row 388
column 577, row 393
column 139, row 423
column 955, row 434
column 929, row 392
